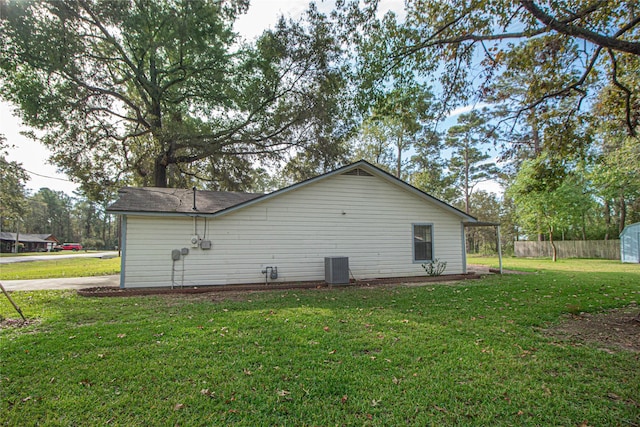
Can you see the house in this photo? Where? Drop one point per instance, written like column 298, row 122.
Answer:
column 29, row 242
column 382, row 225
column 630, row 243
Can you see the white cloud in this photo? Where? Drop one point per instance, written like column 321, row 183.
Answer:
column 466, row 109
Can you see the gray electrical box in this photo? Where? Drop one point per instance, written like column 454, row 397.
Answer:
column 175, row 254
column 336, row 270
column 205, row 244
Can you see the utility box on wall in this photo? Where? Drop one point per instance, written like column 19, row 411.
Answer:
column 336, row 270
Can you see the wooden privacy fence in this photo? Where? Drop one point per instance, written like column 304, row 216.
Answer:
column 605, row 249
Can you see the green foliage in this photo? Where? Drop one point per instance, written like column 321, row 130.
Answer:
column 397, row 121
column 93, row 243
column 50, row 212
column 538, row 63
column 469, row 164
column 549, row 205
column 435, row 267
column 60, row 268
column 12, row 190
column 614, row 178
column 472, row 353
column 488, row 207
column 69, row 219
column 334, row 120
column 153, row 92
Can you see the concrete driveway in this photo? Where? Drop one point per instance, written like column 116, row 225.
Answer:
column 57, row 284
column 29, row 258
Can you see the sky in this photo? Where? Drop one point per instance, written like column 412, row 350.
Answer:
column 262, row 14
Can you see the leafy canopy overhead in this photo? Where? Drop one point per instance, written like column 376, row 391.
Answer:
column 568, row 48
column 154, row 90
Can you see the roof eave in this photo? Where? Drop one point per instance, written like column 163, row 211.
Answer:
column 363, row 164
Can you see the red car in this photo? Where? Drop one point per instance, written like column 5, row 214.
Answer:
column 68, row 247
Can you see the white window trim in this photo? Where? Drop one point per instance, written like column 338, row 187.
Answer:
column 413, row 242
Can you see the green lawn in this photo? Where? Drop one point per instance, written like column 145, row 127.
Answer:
column 567, row 265
column 469, row 353
column 58, row 268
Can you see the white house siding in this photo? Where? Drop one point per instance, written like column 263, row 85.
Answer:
column 364, row 218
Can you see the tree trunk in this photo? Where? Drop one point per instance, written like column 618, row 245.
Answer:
column 607, row 218
column 554, row 250
column 535, row 136
column 105, row 220
column 623, row 213
column 399, row 164
column 160, row 171
column 15, row 248
column 467, row 196
column 87, row 230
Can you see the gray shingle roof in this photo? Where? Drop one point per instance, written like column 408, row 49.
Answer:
column 25, row 237
column 180, row 201
column 176, row 200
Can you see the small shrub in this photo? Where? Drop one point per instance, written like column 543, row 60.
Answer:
column 435, row 267
column 93, row 243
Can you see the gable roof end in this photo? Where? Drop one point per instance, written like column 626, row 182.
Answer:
column 367, row 167
column 153, row 200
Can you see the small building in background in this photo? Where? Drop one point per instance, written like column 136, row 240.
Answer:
column 630, row 243
column 26, row 242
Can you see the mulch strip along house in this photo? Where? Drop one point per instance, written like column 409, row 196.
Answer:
column 356, row 222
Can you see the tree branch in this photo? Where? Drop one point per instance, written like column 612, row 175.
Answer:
column 626, row 90
column 575, row 31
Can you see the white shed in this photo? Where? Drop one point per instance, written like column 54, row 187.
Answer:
column 630, row 243
column 384, row 226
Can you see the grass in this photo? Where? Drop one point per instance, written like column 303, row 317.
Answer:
column 59, row 268
column 470, row 353
column 567, row 265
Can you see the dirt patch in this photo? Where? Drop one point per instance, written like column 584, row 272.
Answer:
column 485, row 269
column 617, row 329
column 17, row 323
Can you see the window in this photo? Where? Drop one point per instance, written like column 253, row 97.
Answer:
column 422, row 242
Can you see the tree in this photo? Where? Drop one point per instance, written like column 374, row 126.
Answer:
column 530, row 68
column 428, row 169
column 487, row 208
column 335, row 121
column 548, row 208
column 152, row 90
column 614, row 178
column 468, row 163
column 12, row 189
column 51, row 212
column 404, row 111
column 373, row 146
column 467, row 44
column 397, row 121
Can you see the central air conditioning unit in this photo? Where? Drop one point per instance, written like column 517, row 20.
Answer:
column 336, row 270
column 195, row 241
